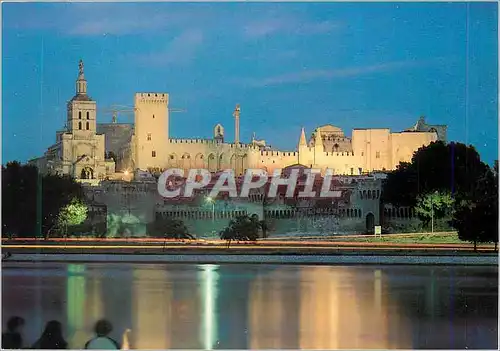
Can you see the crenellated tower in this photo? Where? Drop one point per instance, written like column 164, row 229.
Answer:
column 151, row 130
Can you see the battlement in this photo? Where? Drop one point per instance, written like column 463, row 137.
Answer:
column 151, row 97
column 279, row 153
column 210, row 142
column 192, row 141
column 339, row 154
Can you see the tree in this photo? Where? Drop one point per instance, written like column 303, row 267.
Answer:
column 434, row 205
column 58, row 192
column 452, row 167
column 19, row 197
column 169, row 228
column 400, row 188
column 73, row 214
column 476, row 216
column 241, row 228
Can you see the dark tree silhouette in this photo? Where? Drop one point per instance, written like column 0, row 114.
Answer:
column 456, row 169
column 476, row 216
column 168, row 228
column 241, row 228
column 19, row 198
column 452, row 167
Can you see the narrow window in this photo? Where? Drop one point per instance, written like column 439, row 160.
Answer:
column 352, row 171
column 377, row 154
column 153, row 153
column 153, row 116
column 88, row 126
column 80, row 125
column 149, row 136
column 88, row 115
column 79, row 114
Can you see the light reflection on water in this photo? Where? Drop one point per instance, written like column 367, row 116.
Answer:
column 260, row 306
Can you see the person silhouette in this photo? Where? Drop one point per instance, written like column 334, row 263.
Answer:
column 12, row 338
column 51, row 338
column 102, row 341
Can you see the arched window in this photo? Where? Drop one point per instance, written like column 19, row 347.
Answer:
column 88, row 126
column 88, row 115
column 80, row 125
column 369, row 194
column 79, row 114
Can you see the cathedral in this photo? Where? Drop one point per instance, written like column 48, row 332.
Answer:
column 79, row 149
column 91, row 151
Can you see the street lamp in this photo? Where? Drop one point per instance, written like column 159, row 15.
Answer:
column 211, row 201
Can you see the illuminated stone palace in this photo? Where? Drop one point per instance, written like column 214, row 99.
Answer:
column 81, row 147
column 117, row 163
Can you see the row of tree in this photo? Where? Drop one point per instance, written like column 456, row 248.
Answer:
column 449, row 180
column 241, row 228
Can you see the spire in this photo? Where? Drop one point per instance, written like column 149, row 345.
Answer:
column 302, row 141
column 81, row 83
column 317, row 138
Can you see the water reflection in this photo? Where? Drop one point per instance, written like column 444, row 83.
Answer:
column 209, row 278
column 260, row 306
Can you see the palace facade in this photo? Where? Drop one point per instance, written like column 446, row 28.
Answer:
column 82, row 146
column 117, row 162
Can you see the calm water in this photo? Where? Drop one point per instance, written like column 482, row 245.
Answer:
column 260, row 306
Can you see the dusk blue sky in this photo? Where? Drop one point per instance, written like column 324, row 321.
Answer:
column 353, row 65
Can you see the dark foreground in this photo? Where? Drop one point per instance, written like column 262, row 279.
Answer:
column 260, row 306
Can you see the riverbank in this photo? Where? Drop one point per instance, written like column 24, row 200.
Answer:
column 276, row 258
column 266, row 251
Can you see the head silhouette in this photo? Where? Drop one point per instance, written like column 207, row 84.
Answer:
column 53, row 330
column 52, row 337
column 14, row 324
column 103, row 327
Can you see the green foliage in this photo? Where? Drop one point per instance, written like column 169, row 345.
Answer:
column 452, row 167
column 476, row 216
column 242, row 228
column 467, row 189
column 168, row 228
column 72, row 214
column 435, row 205
column 19, row 199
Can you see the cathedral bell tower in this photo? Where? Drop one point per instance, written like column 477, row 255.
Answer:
column 81, row 117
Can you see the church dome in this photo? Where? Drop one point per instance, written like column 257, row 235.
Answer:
column 330, row 129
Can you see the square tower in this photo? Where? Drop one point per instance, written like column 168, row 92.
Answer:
column 151, row 130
